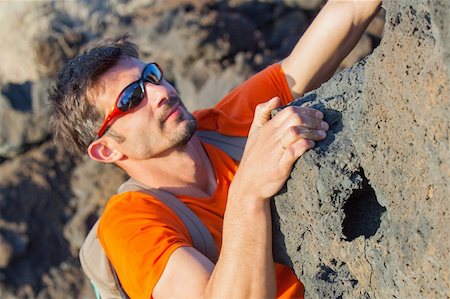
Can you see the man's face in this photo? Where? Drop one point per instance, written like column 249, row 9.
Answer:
column 159, row 123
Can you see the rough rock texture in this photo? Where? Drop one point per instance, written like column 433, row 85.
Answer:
column 366, row 214
column 40, row 230
column 23, row 47
column 24, row 106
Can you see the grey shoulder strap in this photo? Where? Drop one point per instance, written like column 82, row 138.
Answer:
column 201, row 238
column 232, row 145
column 97, row 267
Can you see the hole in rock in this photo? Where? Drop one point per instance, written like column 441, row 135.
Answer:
column 362, row 212
column 326, row 274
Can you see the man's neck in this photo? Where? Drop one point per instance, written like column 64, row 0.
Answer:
column 186, row 170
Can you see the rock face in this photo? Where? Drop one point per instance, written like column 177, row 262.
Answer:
column 366, row 214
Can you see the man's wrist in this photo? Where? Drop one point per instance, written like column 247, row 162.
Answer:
column 247, row 200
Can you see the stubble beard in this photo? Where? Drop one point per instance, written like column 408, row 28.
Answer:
column 183, row 136
column 183, row 133
column 174, row 140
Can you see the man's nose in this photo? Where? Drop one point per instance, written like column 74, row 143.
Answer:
column 157, row 93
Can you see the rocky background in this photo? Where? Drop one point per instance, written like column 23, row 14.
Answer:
column 365, row 215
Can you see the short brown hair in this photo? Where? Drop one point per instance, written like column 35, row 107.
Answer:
column 75, row 119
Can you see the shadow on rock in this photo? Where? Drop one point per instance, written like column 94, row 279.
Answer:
column 35, row 205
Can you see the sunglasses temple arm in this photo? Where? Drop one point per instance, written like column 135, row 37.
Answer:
column 108, row 119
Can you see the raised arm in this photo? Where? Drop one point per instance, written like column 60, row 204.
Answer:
column 331, row 36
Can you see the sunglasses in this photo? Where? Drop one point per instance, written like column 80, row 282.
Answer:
column 132, row 95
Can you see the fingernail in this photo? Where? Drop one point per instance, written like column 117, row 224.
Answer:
column 324, row 125
column 322, row 133
column 319, row 115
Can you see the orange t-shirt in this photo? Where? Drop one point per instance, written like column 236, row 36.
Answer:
column 139, row 233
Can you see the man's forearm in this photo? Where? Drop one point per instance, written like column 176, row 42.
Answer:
column 245, row 267
column 329, row 39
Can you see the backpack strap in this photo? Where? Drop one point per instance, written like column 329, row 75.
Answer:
column 201, row 237
column 232, row 145
column 97, row 267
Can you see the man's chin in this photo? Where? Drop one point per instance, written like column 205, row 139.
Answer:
column 183, row 137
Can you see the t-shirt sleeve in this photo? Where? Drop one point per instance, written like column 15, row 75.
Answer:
column 233, row 115
column 138, row 234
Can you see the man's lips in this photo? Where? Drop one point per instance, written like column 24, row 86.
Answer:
column 173, row 110
column 173, row 103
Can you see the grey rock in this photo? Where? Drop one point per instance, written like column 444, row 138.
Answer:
column 6, row 252
column 49, row 200
column 21, row 22
column 306, row 4
column 303, row 4
column 24, row 117
column 366, row 214
column 286, row 30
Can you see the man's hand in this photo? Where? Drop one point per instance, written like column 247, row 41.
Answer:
column 274, row 145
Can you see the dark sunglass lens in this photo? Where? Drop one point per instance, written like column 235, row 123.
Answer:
column 130, row 97
column 153, row 73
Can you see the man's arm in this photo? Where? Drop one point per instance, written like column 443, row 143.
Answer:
column 329, row 39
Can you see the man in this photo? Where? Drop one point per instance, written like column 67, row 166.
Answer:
column 121, row 110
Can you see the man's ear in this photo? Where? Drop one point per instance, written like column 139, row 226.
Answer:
column 101, row 151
